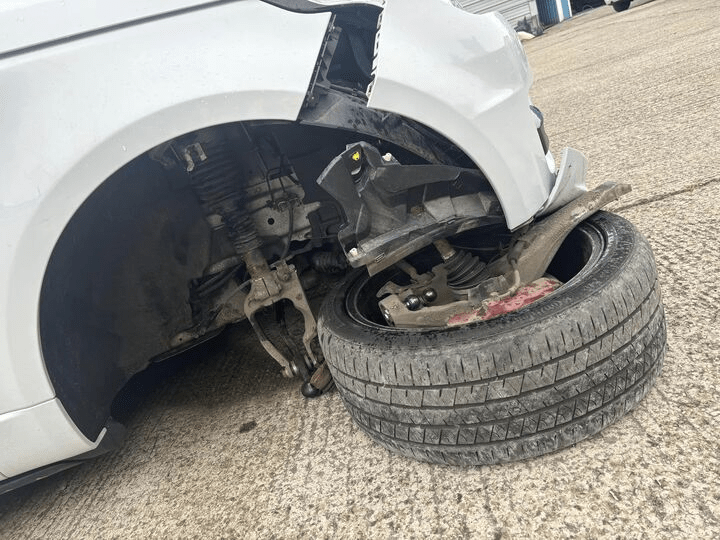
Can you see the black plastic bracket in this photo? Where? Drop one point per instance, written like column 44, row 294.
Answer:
column 393, row 209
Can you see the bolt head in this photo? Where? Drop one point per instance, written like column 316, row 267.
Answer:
column 429, row 295
column 413, row 303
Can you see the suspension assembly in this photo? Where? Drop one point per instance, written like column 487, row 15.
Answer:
column 216, row 179
column 464, row 289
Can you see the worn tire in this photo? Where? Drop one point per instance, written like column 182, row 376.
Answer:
column 521, row 385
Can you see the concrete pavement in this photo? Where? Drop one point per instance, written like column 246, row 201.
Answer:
column 225, row 448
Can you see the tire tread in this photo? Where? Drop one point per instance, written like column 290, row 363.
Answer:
column 515, row 394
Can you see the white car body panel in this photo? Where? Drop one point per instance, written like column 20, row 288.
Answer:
column 32, row 22
column 76, row 112
column 473, row 90
column 46, row 435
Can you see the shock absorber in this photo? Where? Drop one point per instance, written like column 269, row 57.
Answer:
column 216, row 177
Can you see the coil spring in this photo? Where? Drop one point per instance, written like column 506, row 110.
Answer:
column 215, row 181
column 464, row 270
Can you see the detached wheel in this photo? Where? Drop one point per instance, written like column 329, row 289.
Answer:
column 524, row 384
column 621, row 6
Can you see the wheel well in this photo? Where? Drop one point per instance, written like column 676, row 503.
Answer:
column 115, row 290
column 115, row 286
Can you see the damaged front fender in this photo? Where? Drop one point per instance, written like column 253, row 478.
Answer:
column 469, row 80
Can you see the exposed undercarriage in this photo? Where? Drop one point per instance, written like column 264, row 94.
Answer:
column 278, row 223
column 394, row 192
column 272, row 229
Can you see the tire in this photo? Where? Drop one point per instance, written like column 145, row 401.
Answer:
column 621, row 6
column 524, row 384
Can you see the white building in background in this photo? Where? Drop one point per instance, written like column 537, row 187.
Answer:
column 528, row 15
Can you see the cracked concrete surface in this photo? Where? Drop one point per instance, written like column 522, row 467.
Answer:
column 224, row 447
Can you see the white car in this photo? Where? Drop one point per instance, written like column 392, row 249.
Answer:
column 172, row 168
